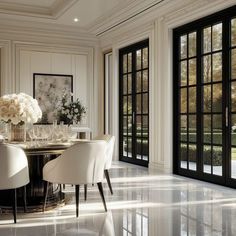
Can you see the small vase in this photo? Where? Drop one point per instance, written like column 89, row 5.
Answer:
column 17, row 132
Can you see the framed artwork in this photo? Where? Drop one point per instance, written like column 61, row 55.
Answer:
column 48, row 89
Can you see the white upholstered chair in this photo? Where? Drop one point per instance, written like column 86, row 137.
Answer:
column 110, row 141
column 14, row 172
column 81, row 164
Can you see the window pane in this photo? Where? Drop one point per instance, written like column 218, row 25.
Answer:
column 125, row 84
column 183, row 43
column 233, row 32
column 207, row 159
column 129, row 125
column 207, row 98
column 217, row 37
column 145, row 103
column 192, row 128
column 207, row 129
column 145, row 126
column 207, row 69
column 138, row 59
column 183, row 128
column 183, row 105
column 192, row 44
column 183, row 155
column 145, row 80
column 129, row 147
column 192, row 99
column 139, row 82
column 139, row 103
column 129, row 104
column 145, row 149
column 125, row 125
column 192, row 153
column 233, row 160
column 233, row 64
column 138, row 126
column 125, row 104
column 125, row 63
column 217, row 160
column 217, row 129
column 207, row 39
column 192, row 71
column 217, row 98
column 124, row 146
column 129, row 83
column 233, row 96
column 129, row 62
column 183, row 73
column 233, row 133
column 217, row 66
column 145, row 57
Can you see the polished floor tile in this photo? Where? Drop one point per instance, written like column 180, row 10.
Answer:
column 144, row 203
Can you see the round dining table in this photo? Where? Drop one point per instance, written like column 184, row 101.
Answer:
column 38, row 155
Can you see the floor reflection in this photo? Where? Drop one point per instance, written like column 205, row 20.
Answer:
column 143, row 203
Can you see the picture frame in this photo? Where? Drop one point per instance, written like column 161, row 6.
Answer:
column 48, row 90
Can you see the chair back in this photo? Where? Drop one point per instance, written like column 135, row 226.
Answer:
column 14, row 172
column 110, row 148
column 82, row 163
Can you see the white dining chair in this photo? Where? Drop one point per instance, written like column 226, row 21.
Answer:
column 81, row 164
column 14, row 172
column 110, row 141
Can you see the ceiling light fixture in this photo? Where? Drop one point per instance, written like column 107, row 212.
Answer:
column 76, row 19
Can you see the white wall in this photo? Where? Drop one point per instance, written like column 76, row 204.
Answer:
column 20, row 59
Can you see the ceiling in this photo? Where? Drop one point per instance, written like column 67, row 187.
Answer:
column 59, row 11
column 91, row 14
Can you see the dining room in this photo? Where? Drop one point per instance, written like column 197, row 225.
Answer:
column 117, row 117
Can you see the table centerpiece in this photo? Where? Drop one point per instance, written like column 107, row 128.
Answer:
column 17, row 110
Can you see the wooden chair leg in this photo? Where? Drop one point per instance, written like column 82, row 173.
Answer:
column 100, row 188
column 25, row 202
column 77, row 199
column 85, row 192
column 46, row 196
column 14, row 203
column 108, row 180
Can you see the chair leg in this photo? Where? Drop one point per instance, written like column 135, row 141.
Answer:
column 46, row 196
column 77, row 199
column 85, row 192
column 14, row 203
column 108, row 180
column 25, row 202
column 100, row 188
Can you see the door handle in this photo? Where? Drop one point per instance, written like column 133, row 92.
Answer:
column 133, row 117
column 226, row 116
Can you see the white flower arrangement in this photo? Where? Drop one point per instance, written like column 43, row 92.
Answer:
column 19, row 108
column 70, row 112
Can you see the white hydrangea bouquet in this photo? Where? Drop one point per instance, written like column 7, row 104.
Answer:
column 19, row 109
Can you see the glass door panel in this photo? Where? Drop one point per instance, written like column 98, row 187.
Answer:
column 205, row 98
column 232, row 111
column 212, row 109
column 134, row 128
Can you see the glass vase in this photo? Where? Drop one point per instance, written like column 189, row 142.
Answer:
column 17, row 132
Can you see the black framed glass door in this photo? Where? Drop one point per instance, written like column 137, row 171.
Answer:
column 205, row 98
column 134, row 104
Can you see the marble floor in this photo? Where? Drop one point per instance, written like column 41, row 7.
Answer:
column 144, row 203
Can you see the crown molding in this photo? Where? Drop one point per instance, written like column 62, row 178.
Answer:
column 45, row 32
column 171, row 12
column 57, row 8
column 120, row 15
